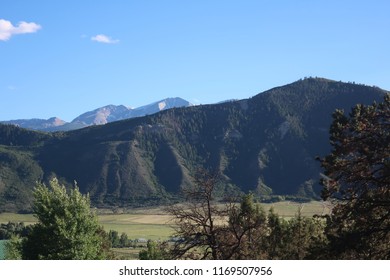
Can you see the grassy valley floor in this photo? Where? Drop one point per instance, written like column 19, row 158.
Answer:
column 154, row 224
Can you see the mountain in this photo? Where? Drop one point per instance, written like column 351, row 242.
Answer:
column 38, row 124
column 103, row 115
column 158, row 106
column 113, row 113
column 266, row 144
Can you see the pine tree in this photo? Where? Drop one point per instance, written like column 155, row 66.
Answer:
column 276, row 239
column 246, row 231
column 358, row 180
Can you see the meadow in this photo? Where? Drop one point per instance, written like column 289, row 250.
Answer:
column 136, row 226
column 155, row 224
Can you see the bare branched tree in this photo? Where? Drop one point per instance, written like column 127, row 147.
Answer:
column 197, row 220
column 207, row 230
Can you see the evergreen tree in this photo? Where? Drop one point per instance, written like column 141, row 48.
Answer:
column 247, row 230
column 358, row 179
column 123, row 240
column 299, row 234
column 113, row 236
column 276, row 239
column 155, row 251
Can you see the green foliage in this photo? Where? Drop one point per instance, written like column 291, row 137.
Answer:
column 67, row 229
column 202, row 231
column 18, row 172
column 13, row 249
column 13, row 229
column 12, row 135
column 124, row 240
column 246, row 231
column 118, row 241
column 302, row 235
column 249, row 234
column 276, row 239
column 358, row 178
column 113, row 236
column 155, row 251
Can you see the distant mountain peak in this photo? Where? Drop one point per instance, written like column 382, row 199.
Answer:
column 38, row 124
column 102, row 115
column 112, row 113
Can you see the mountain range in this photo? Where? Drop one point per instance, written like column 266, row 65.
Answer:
column 103, row 115
column 266, row 144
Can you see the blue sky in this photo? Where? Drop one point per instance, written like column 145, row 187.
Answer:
column 62, row 58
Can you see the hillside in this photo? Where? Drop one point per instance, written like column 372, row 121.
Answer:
column 266, row 144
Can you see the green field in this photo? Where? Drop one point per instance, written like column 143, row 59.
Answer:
column 28, row 219
column 148, row 226
column 152, row 223
column 288, row 209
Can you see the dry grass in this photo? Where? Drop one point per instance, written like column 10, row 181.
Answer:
column 28, row 219
column 153, row 223
column 127, row 253
column 288, row 209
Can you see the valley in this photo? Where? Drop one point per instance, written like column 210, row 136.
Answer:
column 154, row 223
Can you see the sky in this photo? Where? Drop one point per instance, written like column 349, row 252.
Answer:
column 63, row 58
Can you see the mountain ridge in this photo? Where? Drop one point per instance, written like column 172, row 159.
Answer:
column 99, row 116
column 266, row 144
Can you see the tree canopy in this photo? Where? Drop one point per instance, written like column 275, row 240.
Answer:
column 67, row 228
column 358, row 178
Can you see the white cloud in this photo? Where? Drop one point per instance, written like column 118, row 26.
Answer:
column 7, row 29
column 101, row 38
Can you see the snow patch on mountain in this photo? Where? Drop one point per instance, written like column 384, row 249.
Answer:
column 162, row 105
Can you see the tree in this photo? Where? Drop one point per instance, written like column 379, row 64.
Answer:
column 124, row 240
column 304, row 237
column 196, row 226
column 357, row 177
column 13, row 229
column 208, row 230
column 13, row 249
column 277, row 236
column 246, row 232
column 155, row 251
column 67, row 229
column 113, row 236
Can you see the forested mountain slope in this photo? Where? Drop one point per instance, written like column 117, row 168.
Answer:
column 266, row 144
